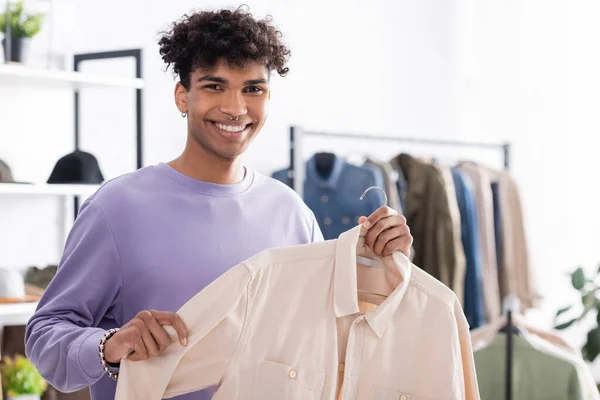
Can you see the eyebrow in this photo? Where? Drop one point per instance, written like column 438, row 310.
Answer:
column 212, row 78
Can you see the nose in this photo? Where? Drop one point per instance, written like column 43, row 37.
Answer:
column 234, row 104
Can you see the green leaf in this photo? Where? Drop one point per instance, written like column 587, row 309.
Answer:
column 21, row 24
column 565, row 325
column 563, row 310
column 578, row 279
column 20, row 377
column 591, row 349
column 589, row 300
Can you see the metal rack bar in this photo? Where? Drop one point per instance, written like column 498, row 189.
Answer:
column 295, row 173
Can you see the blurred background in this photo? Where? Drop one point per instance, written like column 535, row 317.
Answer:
column 524, row 73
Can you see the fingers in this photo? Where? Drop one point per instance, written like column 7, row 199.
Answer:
column 382, row 225
column 148, row 338
column 150, row 343
column 381, row 212
column 136, row 341
column 393, row 239
column 150, row 332
column 384, row 238
column 402, row 244
column 174, row 320
column 161, row 337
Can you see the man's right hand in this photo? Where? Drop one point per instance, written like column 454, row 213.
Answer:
column 144, row 336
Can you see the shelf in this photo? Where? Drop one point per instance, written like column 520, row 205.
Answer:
column 47, row 189
column 16, row 314
column 20, row 74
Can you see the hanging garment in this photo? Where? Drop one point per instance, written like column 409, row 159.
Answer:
column 428, row 214
column 503, row 272
column 286, row 324
column 458, row 286
column 515, row 252
column 473, row 296
column 402, row 186
column 390, row 178
column 333, row 192
column 536, row 375
column 485, row 218
column 548, row 342
column 482, row 336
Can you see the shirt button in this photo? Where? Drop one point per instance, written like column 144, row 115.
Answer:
column 327, row 221
column 293, row 374
column 345, row 220
column 342, row 367
column 324, row 199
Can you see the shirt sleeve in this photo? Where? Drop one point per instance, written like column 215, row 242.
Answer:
column 216, row 319
column 468, row 363
column 469, row 384
column 62, row 336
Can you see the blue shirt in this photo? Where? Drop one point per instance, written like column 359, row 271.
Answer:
column 151, row 239
column 473, row 294
column 335, row 200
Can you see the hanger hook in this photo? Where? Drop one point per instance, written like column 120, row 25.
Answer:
column 376, row 187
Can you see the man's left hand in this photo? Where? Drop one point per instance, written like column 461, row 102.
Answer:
column 386, row 232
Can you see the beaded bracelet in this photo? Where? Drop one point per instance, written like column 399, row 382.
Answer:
column 107, row 335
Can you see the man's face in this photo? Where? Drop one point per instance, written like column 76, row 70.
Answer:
column 216, row 95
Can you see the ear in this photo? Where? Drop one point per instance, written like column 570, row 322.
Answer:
column 269, row 95
column 181, row 98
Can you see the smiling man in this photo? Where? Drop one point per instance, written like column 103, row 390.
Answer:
column 148, row 241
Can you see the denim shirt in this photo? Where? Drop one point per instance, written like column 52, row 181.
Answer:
column 335, row 200
column 473, row 294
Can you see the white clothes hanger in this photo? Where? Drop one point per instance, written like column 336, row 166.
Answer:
column 361, row 254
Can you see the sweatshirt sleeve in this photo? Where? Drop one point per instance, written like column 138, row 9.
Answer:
column 62, row 336
column 216, row 319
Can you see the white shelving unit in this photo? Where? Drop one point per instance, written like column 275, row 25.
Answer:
column 21, row 75
column 47, row 189
column 16, row 314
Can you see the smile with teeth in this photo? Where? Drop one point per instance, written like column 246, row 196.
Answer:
column 230, row 128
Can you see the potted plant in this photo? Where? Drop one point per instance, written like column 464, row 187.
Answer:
column 20, row 27
column 20, row 379
column 589, row 289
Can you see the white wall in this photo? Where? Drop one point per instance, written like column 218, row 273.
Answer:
column 353, row 68
column 529, row 72
column 522, row 71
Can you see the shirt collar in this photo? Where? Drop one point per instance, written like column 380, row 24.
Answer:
column 345, row 283
column 332, row 180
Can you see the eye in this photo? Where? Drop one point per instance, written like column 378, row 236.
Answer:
column 254, row 89
column 212, row 87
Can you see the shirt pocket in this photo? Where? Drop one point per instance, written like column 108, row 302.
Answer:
column 276, row 381
column 387, row 394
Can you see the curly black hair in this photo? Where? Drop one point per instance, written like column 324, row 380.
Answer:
column 199, row 40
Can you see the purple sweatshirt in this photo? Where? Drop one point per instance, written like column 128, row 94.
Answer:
column 151, row 239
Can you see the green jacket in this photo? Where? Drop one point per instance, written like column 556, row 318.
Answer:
column 536, row 375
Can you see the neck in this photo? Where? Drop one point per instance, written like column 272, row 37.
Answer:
column 197, row 163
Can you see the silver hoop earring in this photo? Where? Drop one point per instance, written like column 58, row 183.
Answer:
column 183, row 115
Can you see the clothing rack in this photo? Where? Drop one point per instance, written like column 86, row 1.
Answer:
column 296, row 179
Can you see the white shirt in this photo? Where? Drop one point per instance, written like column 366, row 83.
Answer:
column 286, row 325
